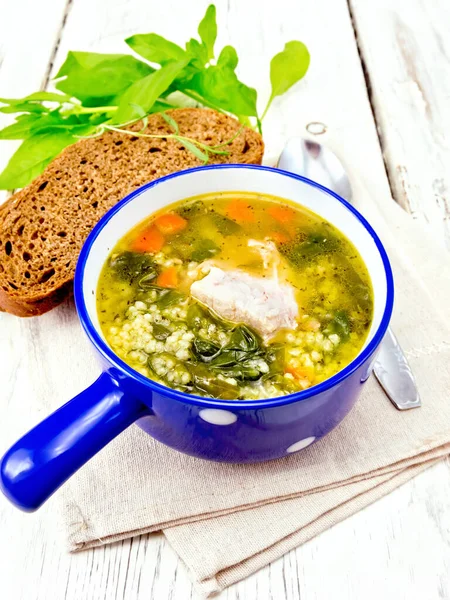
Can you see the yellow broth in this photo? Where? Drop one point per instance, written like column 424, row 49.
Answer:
column 152, row 322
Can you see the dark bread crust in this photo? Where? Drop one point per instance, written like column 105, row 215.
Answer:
column 43, row 226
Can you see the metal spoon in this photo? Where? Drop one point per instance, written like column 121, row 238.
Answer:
column 316, row 162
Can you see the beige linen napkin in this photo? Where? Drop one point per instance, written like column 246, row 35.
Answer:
column 227, row 521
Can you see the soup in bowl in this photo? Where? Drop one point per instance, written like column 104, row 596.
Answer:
column 236, row 311
column 235, row 295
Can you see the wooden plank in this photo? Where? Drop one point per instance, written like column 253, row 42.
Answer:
column 406, row 49
column 29, row 35
column 47, row 359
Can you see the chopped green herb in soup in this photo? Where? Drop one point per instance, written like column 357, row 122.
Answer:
column 235, row 296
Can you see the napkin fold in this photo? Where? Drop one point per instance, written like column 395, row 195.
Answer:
column 227, row 521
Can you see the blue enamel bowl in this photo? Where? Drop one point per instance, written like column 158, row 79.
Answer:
column 219, row 430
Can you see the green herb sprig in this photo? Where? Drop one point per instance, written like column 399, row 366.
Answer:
column 200, row 150
column 100, row 92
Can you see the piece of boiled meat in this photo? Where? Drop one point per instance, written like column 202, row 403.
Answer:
column 263, row 304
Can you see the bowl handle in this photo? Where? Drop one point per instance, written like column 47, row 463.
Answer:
column 45, row 457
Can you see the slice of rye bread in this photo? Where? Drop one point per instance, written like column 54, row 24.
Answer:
column 43, row 226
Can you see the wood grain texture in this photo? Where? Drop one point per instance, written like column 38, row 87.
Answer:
column 405, row 45
column 397, row 549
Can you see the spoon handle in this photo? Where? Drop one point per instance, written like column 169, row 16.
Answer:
column 395, row 375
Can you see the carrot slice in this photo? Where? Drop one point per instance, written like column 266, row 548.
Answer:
column 301, row 373
column 279, row 237
column 170, row 223
column 282, row 214
column 240, row 211
column 150, row 240
column 168, row 278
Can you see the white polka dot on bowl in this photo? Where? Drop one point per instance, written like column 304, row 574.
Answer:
column 300, row 445
column 217, row 416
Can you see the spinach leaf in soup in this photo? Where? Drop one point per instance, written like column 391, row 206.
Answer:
column 236, row 358
column 199, row 316
column 204, row 350
column 165, row 297
column 204, row 249
column 308, row 248
column 147, row 281
column 243, row 338
column 160, row 332
column 196, row 316
column 275, row 358
column 130, row 266
column 168, row 297
column 209, row 384
column 228, row 358
column 339, row 324
column 192, row 209
column 244, row 372
column 224, row 225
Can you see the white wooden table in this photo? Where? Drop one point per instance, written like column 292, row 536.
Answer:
column 380, row 82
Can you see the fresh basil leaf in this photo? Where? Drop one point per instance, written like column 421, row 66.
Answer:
column 28, row 107
column 32, row 157
column 286, row 68
column 21, row 129
column 207, row 30
column 27, row 125
column 45, row 96
column 146, row 91
column 220, row 86
column 197, row 53
column 228, row 58
column 194, row 149
column 37, row 97
column 92, row 75
column 155, row 48
column 204, row 249
column 78, row 126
